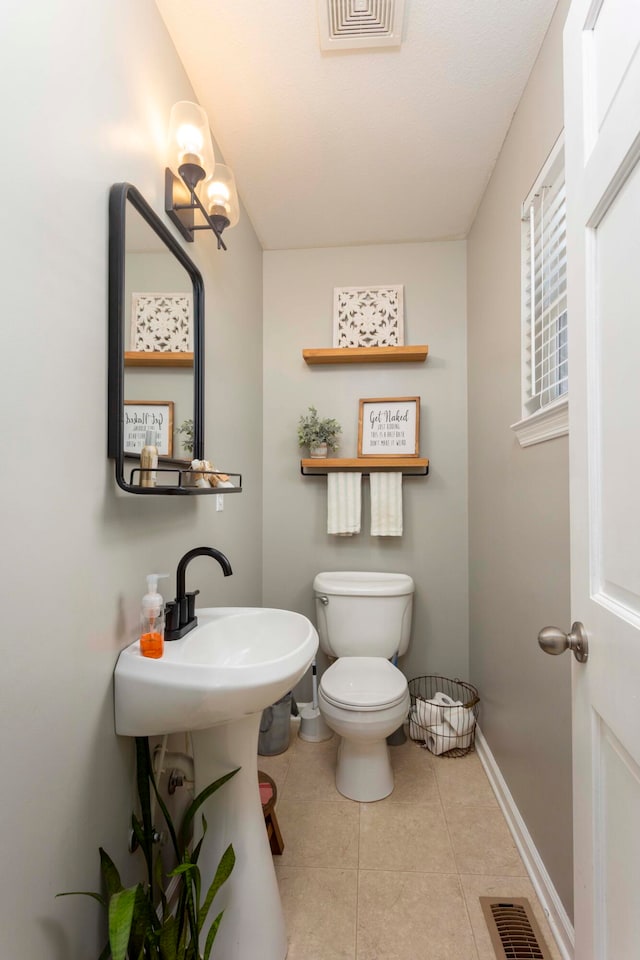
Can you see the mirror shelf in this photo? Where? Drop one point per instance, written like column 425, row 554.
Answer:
column 148, row 358
column 174, row 478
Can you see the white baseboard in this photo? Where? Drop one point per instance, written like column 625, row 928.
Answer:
column 561, row 926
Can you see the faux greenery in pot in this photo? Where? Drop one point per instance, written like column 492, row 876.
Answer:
column 141, row 925
column 314, row 432
column 186, row 428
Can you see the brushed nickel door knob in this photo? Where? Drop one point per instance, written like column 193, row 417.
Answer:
column 554, row 641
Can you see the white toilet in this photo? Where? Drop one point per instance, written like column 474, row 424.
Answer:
column 363, row 620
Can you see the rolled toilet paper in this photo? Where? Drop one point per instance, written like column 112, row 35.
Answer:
column 428, row 712
column 424, row 714
column 439, row 739
column 460, row 719
column 415, row 730
column 464, row 726
column 451, row 712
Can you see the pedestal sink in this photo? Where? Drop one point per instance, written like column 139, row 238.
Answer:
column 215, row 682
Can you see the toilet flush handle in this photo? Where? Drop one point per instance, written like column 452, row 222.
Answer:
column 324, row 600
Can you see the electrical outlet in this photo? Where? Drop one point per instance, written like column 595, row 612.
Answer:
column 219, row 502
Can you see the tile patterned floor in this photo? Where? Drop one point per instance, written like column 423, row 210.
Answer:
column 398, row 879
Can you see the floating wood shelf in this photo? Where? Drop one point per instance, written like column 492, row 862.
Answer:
column 417, row 353
column 409, row 466
column 154, row 358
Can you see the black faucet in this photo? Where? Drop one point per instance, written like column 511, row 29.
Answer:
column 180, row 613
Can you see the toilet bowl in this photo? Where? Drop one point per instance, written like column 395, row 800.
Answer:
column 363, row 699
column 363, row 619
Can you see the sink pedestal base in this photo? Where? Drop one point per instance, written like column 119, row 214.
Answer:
column 253, row 922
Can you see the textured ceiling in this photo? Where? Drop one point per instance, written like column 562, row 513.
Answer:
column 374, row 146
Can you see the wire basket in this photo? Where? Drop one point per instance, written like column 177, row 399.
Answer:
column 443, row 715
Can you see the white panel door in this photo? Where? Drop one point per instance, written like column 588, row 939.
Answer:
column 602, row 151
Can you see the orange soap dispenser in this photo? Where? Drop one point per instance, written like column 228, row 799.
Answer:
column 152, row 619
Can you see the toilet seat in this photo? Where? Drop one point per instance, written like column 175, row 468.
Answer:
column 363, row 684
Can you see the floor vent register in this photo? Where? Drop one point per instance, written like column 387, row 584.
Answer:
column 515, row 934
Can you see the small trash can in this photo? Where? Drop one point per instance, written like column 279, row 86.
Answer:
column 275, row 727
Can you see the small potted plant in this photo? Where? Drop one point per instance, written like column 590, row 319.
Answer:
column 318, row 435
column 186, row 428
column 141, row 924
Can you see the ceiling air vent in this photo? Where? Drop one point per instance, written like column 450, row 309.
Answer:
column 353, row 24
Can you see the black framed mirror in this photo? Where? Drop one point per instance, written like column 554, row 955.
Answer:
column 156, row 352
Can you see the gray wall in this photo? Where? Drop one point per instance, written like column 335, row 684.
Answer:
column 298, row 309
column 519, row 500
column 95, row 83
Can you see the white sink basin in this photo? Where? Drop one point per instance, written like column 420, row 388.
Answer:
column 236, row 662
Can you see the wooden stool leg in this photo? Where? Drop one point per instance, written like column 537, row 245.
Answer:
column 273, row 832
column 270, row 820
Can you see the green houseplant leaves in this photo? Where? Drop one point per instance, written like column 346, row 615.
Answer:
column 312, row 430
column 186, row 428
column 141, row 924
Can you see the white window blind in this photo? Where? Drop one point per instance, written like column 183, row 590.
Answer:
column 544, row 289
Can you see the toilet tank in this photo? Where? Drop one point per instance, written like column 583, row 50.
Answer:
column 362, row 614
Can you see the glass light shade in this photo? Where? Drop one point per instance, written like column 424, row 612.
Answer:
column 189, row 138
column 219, row 195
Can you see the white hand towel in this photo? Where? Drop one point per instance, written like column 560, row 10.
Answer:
column 343, row 503
column 386, row 504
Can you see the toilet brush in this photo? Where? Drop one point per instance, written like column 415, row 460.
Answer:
column 312, row 726
column 314, row 685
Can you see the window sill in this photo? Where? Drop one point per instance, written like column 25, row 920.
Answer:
column 552, row 421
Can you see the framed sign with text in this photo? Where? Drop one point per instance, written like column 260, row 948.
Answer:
column 389, row 427
column 148, row 417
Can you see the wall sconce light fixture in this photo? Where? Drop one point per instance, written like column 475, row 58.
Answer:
column 194, row 182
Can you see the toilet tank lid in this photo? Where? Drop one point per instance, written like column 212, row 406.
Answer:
column 357, row 583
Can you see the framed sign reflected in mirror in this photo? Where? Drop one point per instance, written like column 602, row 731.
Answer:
column 148, row 422
column 389, row 427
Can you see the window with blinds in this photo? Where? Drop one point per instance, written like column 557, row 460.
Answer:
column 545, row 359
